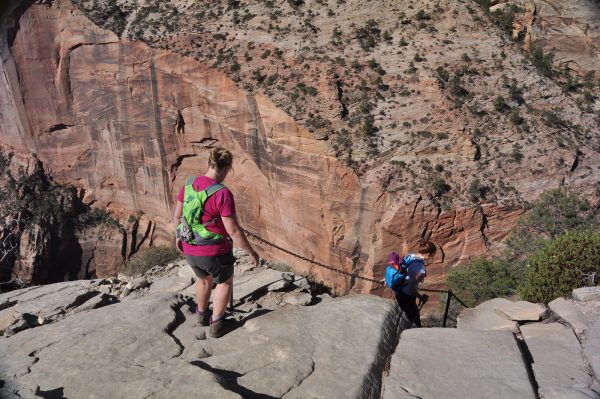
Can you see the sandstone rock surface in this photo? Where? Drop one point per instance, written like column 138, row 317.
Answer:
column 569, row 313
column 587, row 294
column 127, row 123
column 484, row 317
column 522, row 311
column 557, row 357
column 591, row 348
column 148, row 347
column 452, row 363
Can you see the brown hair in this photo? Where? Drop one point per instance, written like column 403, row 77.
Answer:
column 220, row 158
column 426, row 247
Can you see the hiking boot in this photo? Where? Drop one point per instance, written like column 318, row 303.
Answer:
column 220, row 327
column 203, row 319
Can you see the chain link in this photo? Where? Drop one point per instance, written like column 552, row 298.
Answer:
column 335, row 269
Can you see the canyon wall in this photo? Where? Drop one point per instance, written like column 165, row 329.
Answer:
column 127, row 124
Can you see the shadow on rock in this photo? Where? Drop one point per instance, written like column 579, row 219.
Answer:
column 57, row 393
column 228, row 380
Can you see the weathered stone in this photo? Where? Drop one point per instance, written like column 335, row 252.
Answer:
column 567, row 393
column 91, row 354
column 96, row 302
column 298, row 299
column 586, row 294
column 137, row 283
column 557, row 356
column 252, row 281
column 450, row 363
column 53, row 300
column 522, row 311
column 126, row 291
column 279, row 285
column 7, row 318
column 101, row 352
column 484, row 317
column 567, row 311
column 591, row 348
column 287, row 350
column 170, row 285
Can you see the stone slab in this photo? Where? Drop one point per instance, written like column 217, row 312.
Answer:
column 567, row 393
column 52, row 300
column 567, row 311
column 249, row 282
column 586, row 294
column 557, row 356
column 170, row 285
column 522, row 311
column 151, row 348
column 431, row 363
column 591, row 348
column 118, row 351
column 484, row 317
column 321, row 351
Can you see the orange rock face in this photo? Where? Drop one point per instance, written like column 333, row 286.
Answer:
column 128, row 124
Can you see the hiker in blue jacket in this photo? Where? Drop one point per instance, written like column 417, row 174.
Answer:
column 407, row 295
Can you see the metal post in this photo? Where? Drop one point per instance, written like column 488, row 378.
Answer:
column 447, row 307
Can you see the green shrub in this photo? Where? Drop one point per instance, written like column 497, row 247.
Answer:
column 562, row 265
column 153, row 256
column 484, row 279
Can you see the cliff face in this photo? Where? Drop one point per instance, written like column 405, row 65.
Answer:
column 127, row 123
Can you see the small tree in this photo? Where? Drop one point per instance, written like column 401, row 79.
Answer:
column 484, row 279
column 562, row 265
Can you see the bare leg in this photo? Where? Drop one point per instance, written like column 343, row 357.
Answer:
column 203, row 288
column 221, row 298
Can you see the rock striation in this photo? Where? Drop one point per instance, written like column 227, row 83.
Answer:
column 147, row 343
column 127, row 121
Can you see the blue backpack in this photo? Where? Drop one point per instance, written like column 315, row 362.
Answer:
column 396, row 273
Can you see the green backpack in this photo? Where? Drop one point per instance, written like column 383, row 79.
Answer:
column 191, row 229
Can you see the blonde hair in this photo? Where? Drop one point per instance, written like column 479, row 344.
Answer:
column 220, row 158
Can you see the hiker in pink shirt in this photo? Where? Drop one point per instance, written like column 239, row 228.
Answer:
column 205, row 235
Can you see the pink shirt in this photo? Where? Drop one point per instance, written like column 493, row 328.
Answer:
column 220, row 204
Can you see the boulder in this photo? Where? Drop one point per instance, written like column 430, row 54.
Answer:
column 137, row 283
column 450, row 363
column 7, row 318
column 591, row 348
column 150, row 347
column 522, row 311
column 567, row 311
column 298, row 299
column 485, row 318
column 557, row 356
column 586, row 294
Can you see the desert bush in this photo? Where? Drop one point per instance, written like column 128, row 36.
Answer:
column 562, row 265
column 153, row 256
column 484, row 279
column 543, row 62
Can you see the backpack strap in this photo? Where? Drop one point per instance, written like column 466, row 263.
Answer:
column 210, row 190
column 190, row 180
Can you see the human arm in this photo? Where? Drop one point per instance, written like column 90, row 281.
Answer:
column 175, row 221
column 239, row 238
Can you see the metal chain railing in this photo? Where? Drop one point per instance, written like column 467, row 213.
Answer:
column 354, row 275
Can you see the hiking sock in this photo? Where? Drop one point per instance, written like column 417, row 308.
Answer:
column 214, row 319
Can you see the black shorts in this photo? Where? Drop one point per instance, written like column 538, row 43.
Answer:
column 220, row 267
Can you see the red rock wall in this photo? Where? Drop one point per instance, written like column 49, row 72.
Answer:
column 128, row 124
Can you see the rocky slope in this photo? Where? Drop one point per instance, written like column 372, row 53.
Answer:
column 357, row 129
column 138, row 338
